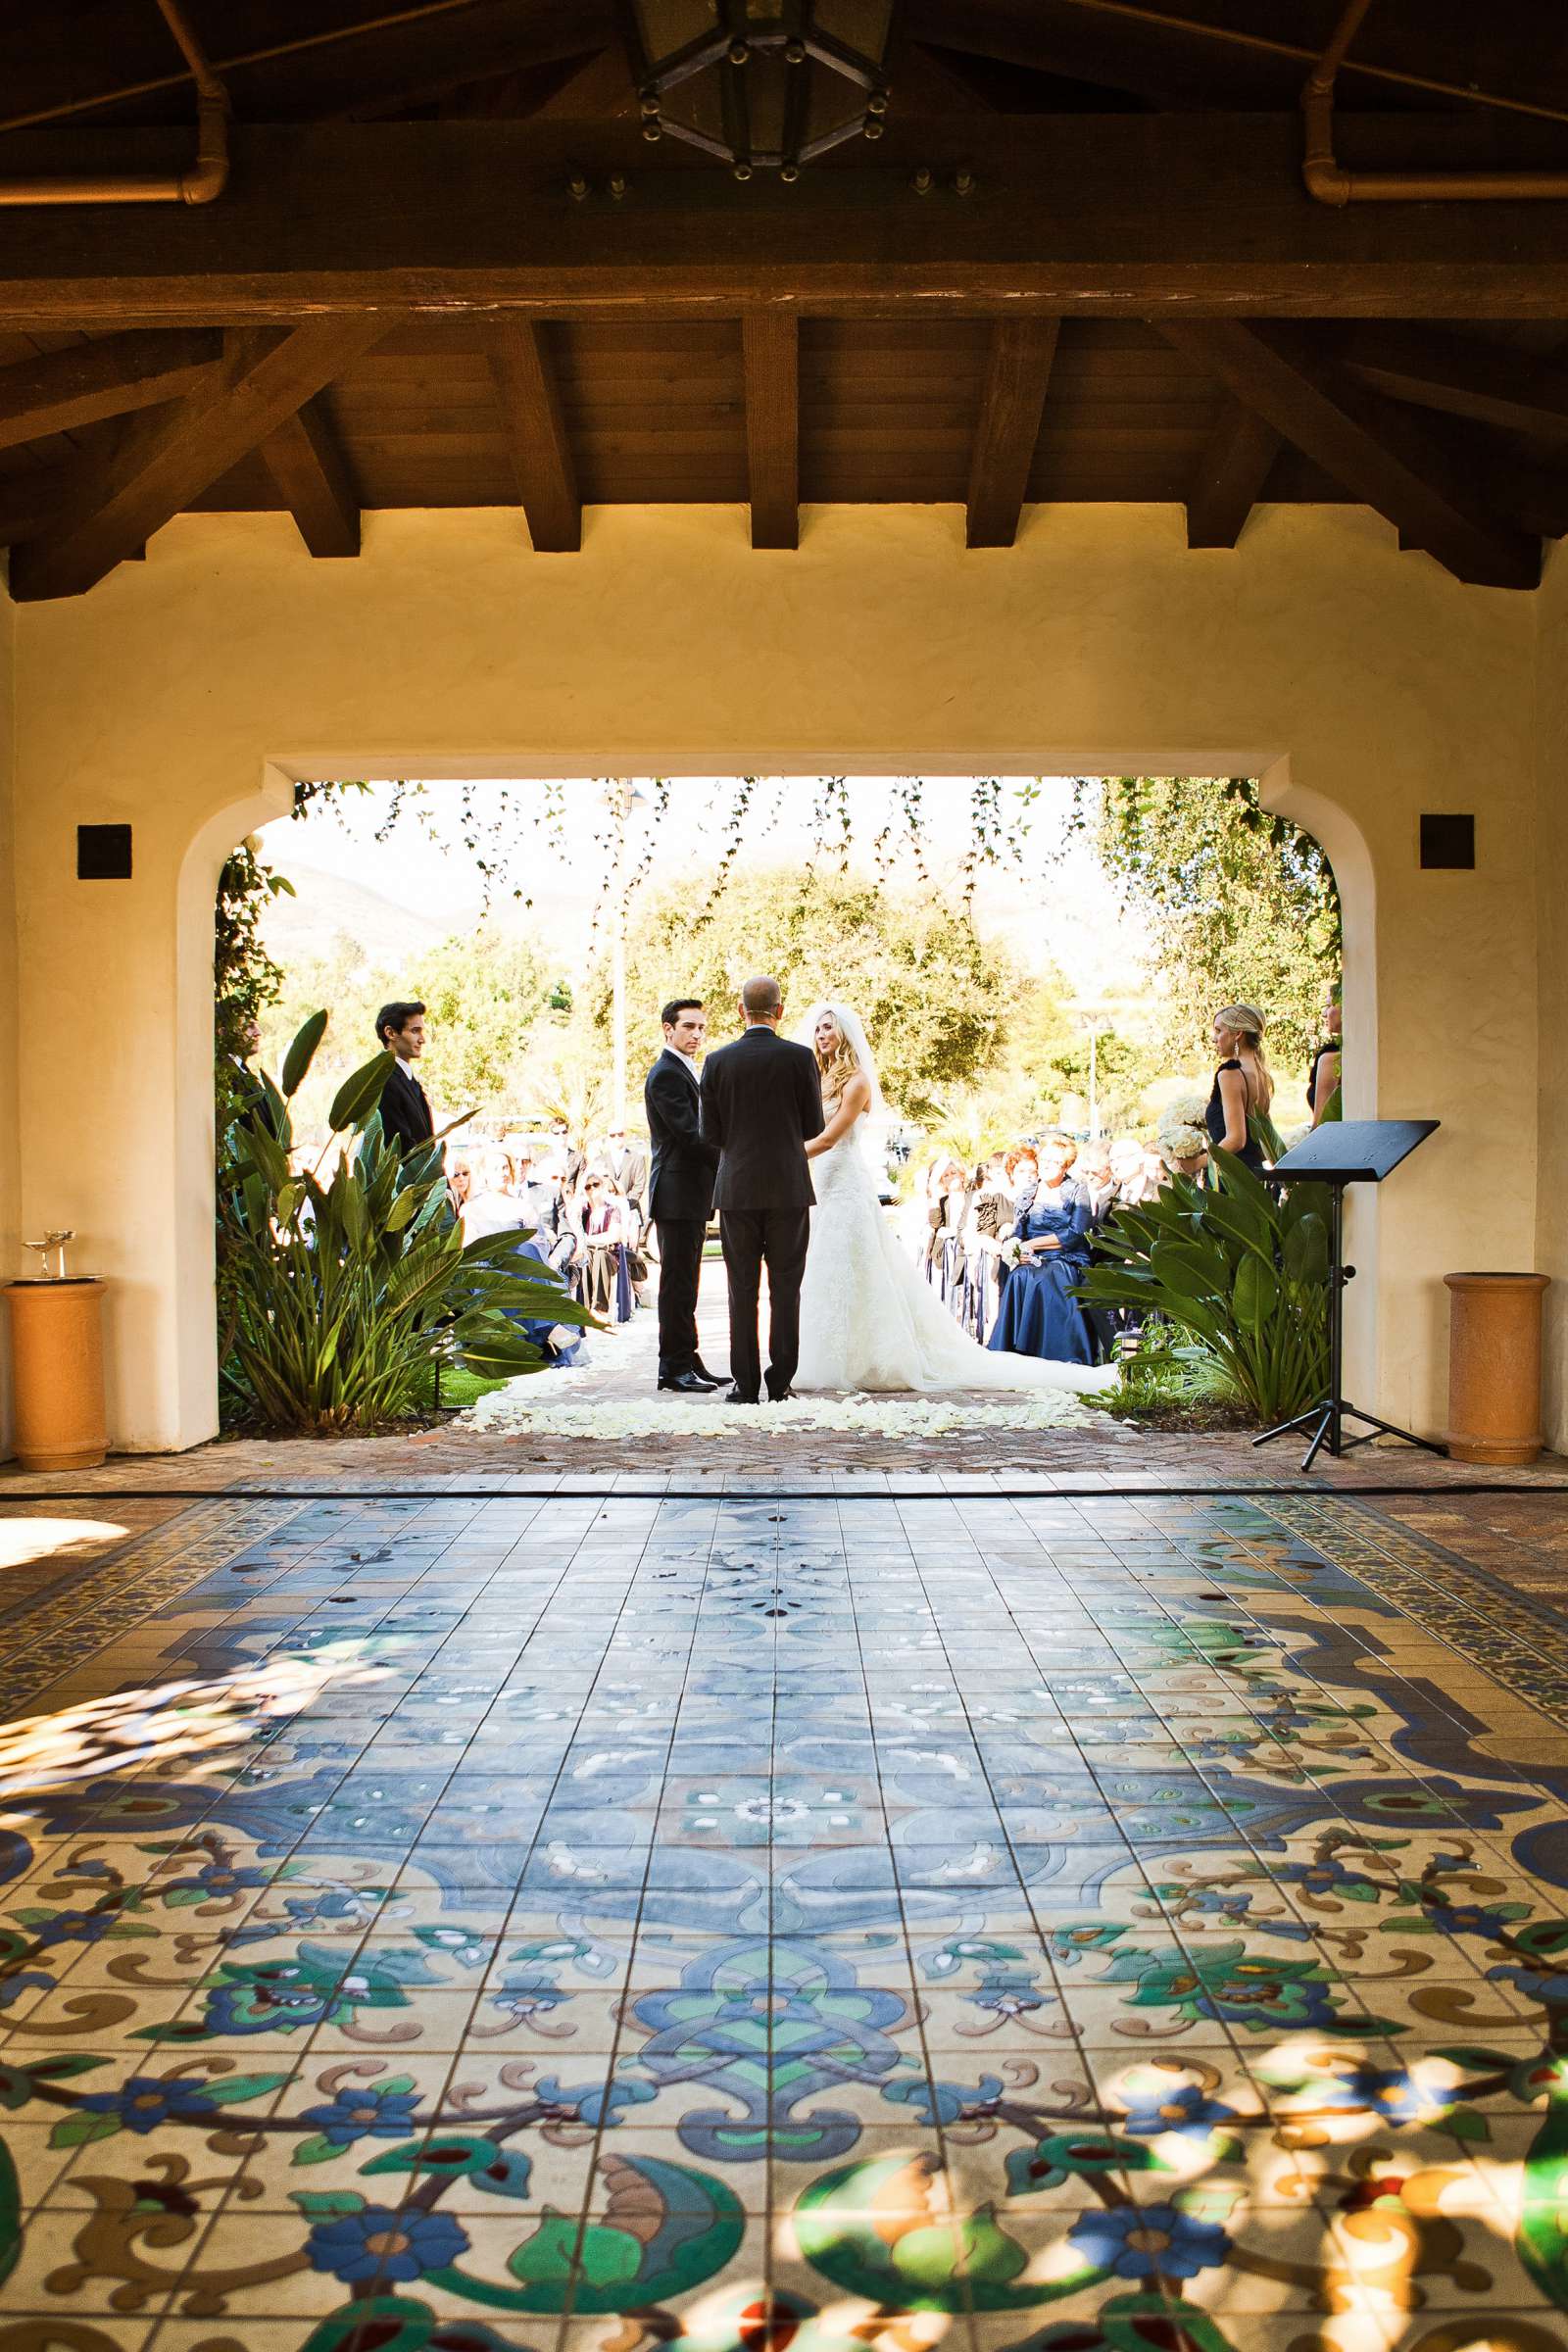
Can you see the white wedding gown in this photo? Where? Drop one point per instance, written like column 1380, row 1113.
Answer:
column 868, row 1317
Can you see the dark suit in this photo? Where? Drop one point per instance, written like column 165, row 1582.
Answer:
column 405, row 1113
column 680, row 1197
column 761, row 1105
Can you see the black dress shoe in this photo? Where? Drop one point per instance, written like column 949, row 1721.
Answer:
column 715, row 1380
column 739, row 1396
column 686, row 1383
column 780, row 1395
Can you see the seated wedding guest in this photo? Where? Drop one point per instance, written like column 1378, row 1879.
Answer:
column 491, row 1205
column 1039, row 1316
column 1023, row 1174
column 1243, row 1087
column 555, row 1231
column 459, row 1180
column 947, row 1217
column 1131, row 1173
column 572, row 1161
column 1093, row 1179
column 561, row 1344
column 608, row 1285
column 1323, row 1078
column 626, row 1166
column 405, row 1112
column 992, row 1210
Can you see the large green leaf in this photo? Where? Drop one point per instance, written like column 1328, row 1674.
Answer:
column 1306, row 1249
column 266, row 1156
column 360, row 1093
column 1190, row 1270
column 1255, row 1295
column 302, row 1052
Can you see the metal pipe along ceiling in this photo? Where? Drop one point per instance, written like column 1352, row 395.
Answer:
column 1328, row 181
column 207, row 177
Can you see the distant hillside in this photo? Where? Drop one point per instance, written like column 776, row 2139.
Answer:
column 306, row 927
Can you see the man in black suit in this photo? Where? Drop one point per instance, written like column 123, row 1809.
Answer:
column 762, row 1102
column 680, row 1194
column 405, row 1113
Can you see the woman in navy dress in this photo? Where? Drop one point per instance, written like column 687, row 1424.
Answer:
column 1243, row 1086
column 1037, row 1316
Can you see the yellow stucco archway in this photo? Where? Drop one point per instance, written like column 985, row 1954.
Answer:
column 185, row 694
column 219, row 835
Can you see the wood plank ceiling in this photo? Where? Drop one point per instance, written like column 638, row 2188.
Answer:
column 117, row 413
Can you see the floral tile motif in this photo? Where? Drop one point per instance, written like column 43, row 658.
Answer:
column 1071, row 1923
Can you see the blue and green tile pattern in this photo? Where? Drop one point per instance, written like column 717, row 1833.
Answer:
column 1064, row 1925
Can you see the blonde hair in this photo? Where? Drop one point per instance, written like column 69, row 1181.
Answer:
column 1246, row 1024
column 839, row 1066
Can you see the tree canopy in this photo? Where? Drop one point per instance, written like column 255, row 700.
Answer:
column 935, row 996
column 1241, row 906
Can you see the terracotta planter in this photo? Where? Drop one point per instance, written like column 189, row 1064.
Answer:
column 1494, row 1367
column 57, row 1360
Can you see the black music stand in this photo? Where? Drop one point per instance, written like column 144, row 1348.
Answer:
column 1345, row 1151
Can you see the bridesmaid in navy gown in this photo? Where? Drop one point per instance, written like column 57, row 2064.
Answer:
column 1037, row 1316
column 1243, row 1085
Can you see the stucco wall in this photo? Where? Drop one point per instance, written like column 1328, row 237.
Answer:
column 1552, row 869
column 182, row 692
column 10, row 1206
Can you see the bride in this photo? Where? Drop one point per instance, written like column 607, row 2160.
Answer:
column 867, row 1318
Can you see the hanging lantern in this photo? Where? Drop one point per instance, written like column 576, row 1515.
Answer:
column 763, row 85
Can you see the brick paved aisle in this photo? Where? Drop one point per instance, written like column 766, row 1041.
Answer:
column 1093, row 1923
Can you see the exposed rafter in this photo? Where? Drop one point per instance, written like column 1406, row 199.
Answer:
column 1017, row 374
column 313, row 481
column 1230, row 478
column 773, row 360
column 170, row 456
column 536, row 436
column 61, row 390
column 1483, row 381
column 1086, row 216
column 1376, row 452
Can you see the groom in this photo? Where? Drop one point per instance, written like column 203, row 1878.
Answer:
column 762, row 1102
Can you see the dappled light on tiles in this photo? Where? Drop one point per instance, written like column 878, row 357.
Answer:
column 168, row 1721
column 28, row 1539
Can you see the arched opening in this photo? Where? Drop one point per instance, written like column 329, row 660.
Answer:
column 1353, row 865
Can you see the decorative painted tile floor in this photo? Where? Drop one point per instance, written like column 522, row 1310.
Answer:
column 1064, row 1925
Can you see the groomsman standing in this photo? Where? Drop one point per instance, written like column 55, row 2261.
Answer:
column 405, row 1113
column 680, row 1194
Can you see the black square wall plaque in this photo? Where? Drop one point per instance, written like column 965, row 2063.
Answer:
column 102, row 853
column 1448, row 841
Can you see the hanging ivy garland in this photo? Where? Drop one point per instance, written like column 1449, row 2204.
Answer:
column 495, row 817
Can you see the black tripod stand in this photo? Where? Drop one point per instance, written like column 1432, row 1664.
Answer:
column 1341, row 1154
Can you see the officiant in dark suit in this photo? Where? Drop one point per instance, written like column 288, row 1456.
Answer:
column 761, row 1105
column 680, row 1193
column 405, row 1113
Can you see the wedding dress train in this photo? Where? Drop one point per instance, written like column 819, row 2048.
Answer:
column 869, row 1318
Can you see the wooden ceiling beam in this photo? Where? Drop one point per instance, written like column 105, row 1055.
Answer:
column 170, row 456
column 542, row 462
column 60, row 391
column 1092, row 215
column 307, row 463
column 1017, row 374
column 1485, row 383
column 1235, row 462
column 29, row 501
column 1377, row 453
column 771, row 348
